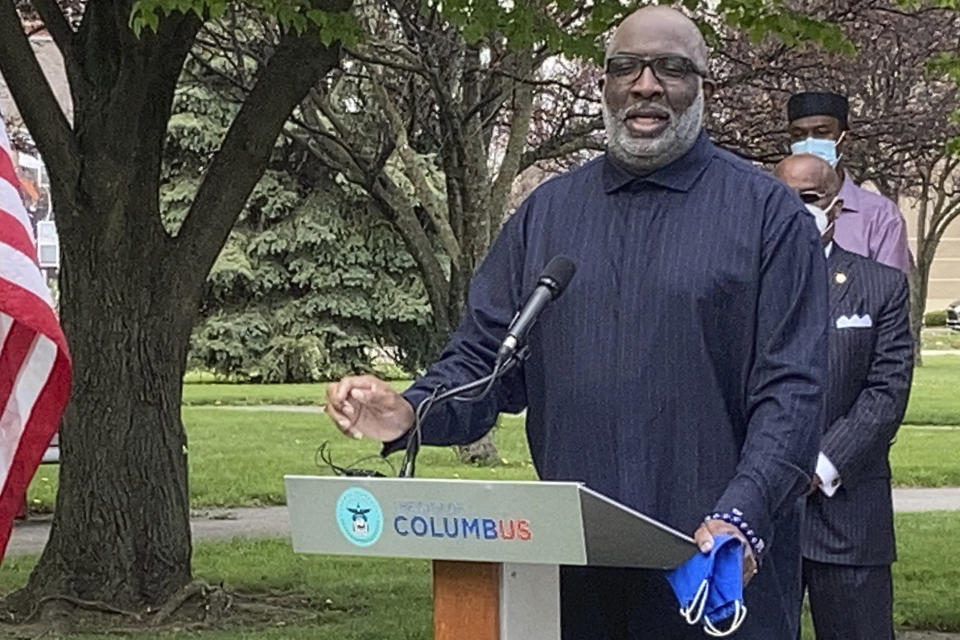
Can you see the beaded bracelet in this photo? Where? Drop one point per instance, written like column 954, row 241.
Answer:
column 736, row 519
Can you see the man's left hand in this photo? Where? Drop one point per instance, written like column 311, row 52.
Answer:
column 704, row 539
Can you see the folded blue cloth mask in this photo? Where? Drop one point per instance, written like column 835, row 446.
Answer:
column 709, row 586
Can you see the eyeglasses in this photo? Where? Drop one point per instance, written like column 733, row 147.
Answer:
column 811, row 197
column 627, row 67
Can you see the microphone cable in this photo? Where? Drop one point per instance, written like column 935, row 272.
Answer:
column 323, row 457
column 501, row 367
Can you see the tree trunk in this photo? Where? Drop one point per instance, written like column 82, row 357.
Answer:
column 483, row 452
column 919, row 280
column 130, row 288
column 121, row 529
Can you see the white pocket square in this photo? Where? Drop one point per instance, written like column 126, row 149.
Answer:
column 854, row 322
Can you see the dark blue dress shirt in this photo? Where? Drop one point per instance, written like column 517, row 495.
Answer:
column 682, row 371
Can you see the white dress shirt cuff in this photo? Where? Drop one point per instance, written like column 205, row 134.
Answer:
column 829, row 476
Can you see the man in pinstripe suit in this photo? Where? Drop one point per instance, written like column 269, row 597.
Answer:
column 847, row 540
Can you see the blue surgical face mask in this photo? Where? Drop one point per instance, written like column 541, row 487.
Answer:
column 821, row 147
column 709, row 587
column 725, row 597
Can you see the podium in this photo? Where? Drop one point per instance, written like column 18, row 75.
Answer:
column 496, row 546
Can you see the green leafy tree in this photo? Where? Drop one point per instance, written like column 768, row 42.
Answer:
column 303, row 290
column 450, row 116
column 131, row 287
column 310, row 295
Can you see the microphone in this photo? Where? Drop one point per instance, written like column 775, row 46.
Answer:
column 552, row 281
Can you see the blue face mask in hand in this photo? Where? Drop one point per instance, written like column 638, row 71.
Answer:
column 709, row 586
column 725, row 596
column 691, row 582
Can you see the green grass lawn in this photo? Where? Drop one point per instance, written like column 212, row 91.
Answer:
column 927, row 573
column 940, row 339
column 371, row 599
column 934, row 399
column 238, row 457
column 935, row 396
column 377, row 599
column 926, row 457
column 219, row 394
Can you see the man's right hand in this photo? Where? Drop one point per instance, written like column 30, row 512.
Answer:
column 367, row 406
column 815, row 483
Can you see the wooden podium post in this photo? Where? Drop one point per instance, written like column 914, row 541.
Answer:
column 466, row 600
column 495, row 601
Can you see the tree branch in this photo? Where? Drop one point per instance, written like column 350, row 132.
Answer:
column 296, row 65
column 61, row 32
column 326, row 110
column 516, row 142
column 348, row 149
column 576, row 139
column 37, row 104
column 226, row 77
column 332, row 152
column 429, row 199
column 370, row 58
column 391, row 201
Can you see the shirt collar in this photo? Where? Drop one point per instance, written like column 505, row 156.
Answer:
column 679, row 175
column 839, row 257
column 848, row 193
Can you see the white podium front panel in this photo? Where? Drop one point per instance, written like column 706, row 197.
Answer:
column 512, row 522
column 531, row 522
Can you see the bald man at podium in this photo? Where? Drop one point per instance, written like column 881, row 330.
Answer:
column 680, row 373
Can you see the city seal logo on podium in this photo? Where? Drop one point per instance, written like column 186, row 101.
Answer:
column 359, row 516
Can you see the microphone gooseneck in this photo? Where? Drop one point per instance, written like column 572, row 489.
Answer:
column 552, row 281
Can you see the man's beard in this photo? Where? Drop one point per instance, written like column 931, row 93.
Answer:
column 645, row 155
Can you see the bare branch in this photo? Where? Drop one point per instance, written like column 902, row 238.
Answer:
column 315, row 107
column 522, row 108
column 294, row 67
column 582, row 137
column 61, row 32
column 42, row 114
column 331, row 152
column 430, row 199
column 367, row 55
column 233, row 81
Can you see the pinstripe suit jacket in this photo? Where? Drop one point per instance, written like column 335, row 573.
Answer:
column 871, row 365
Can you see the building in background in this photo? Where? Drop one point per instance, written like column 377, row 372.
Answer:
column 943, row 287
column 29, row 166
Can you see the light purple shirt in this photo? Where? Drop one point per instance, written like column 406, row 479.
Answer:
column 872, row 226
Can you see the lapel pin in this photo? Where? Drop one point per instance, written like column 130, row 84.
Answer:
column 840, row 277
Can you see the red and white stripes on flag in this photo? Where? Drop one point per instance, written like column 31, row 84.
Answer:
column 34, row 361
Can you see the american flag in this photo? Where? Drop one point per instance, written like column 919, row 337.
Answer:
column 34, row 361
